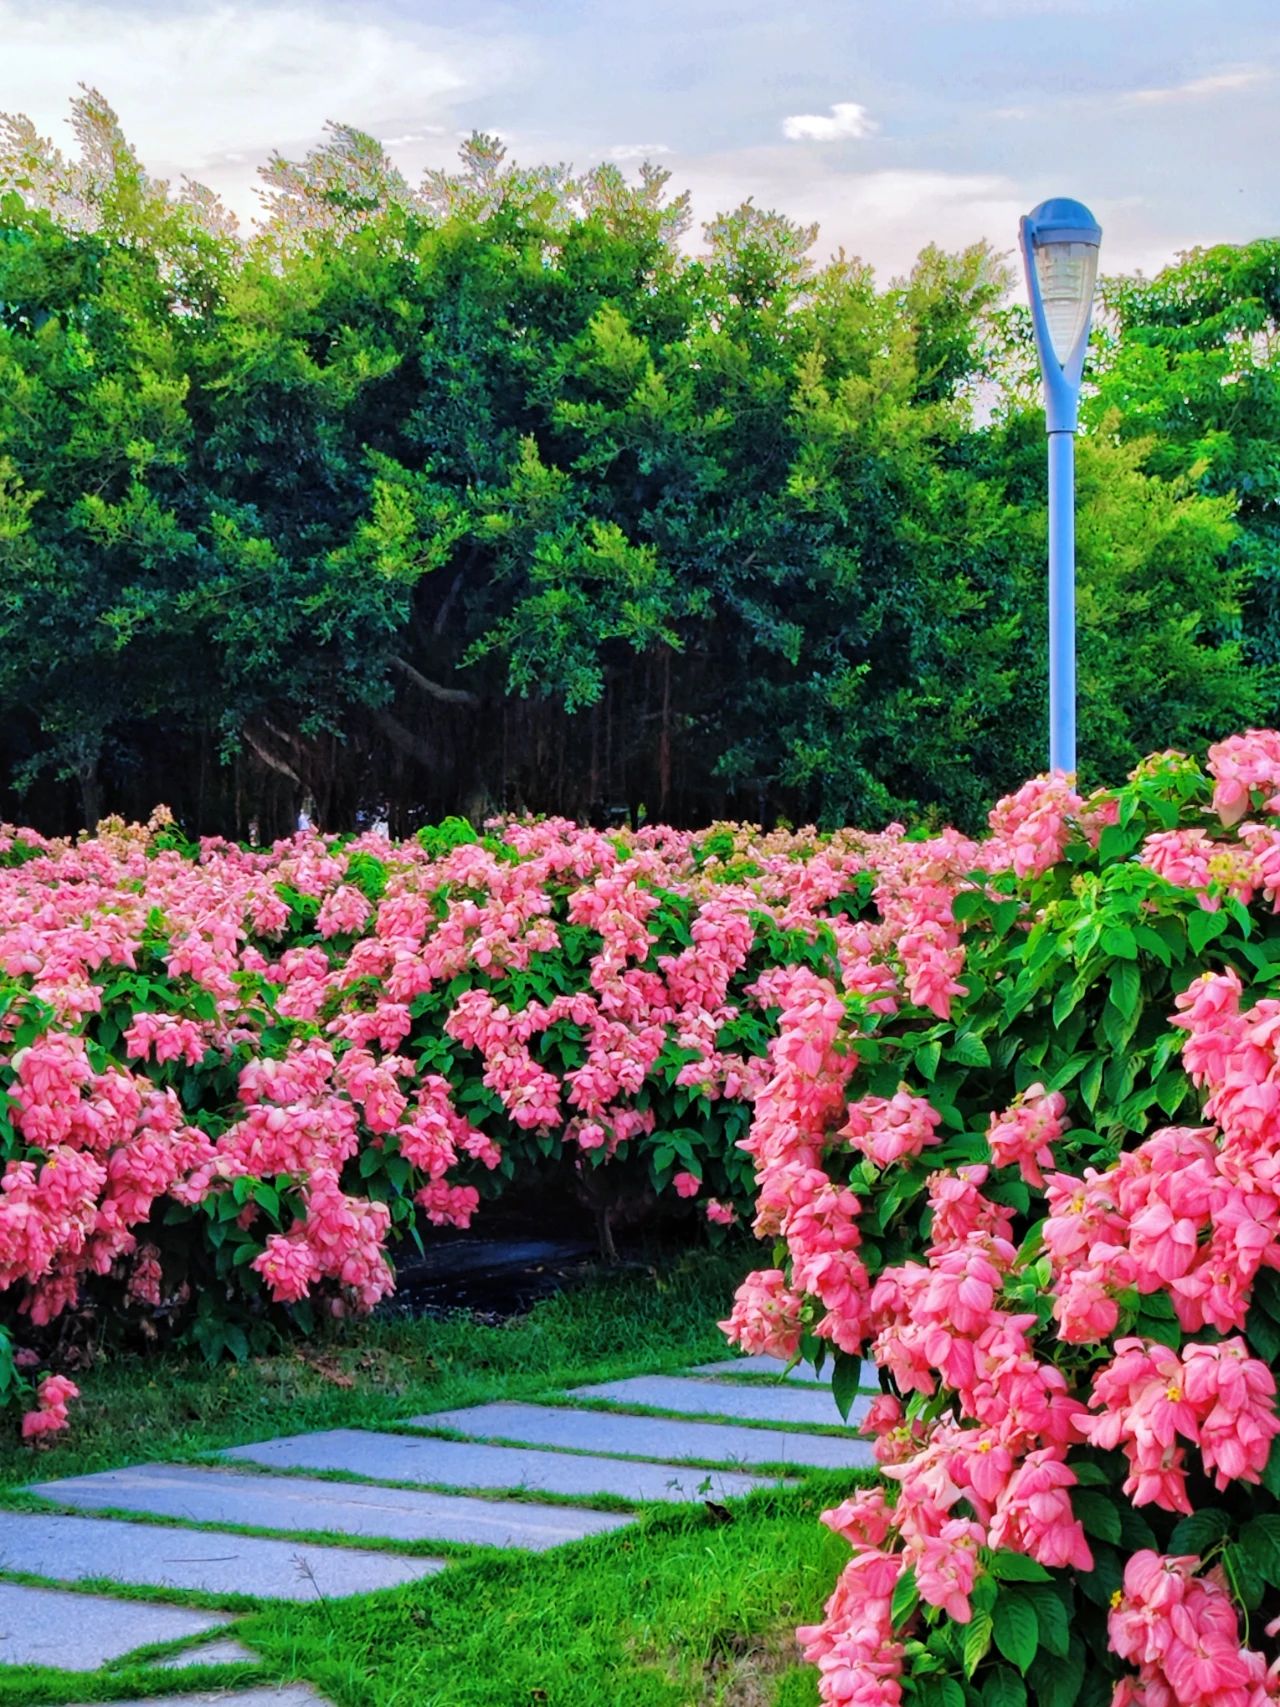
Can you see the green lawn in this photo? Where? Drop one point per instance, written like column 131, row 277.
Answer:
column 680, row 1610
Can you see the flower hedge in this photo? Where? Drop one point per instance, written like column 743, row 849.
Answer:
column 1004, row 1106
column 1044, row 1196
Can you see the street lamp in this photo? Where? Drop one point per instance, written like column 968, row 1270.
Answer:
column 1060, row 250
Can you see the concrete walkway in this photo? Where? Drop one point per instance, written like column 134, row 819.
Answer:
column 496, row 1475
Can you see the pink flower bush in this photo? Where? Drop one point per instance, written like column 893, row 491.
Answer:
column 1077, row 1287
column 1007, row 1109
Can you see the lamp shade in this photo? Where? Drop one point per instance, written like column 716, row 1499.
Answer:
column 1064, row 242
column 1066, row 272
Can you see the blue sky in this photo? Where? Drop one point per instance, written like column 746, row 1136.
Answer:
column 891, row 122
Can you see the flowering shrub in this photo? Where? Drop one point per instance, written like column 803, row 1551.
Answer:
column 1035, row 1175
column 233, row 1078
column 1004, row 1107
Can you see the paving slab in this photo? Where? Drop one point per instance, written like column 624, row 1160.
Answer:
column 467, row 1464
column 226, row 1651
column 804, row 1374
column 287, row 1695
column 664, row 1438
column 80, row 1632
column 70, row 1549
column 760, row 1363
column 811, row 1407
column 301, row 1502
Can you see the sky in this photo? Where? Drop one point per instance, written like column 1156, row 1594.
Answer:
column 892, row 123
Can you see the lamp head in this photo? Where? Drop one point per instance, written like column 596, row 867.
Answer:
column 1062, row 238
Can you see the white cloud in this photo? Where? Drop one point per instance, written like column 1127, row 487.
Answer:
column 638, row 150
column 198, row 85
column 885, row 217
column 847, row 120
column 423, row 134
column 1220, row 82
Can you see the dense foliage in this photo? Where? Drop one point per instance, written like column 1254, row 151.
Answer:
column 1074, row 1304
column 490, row 495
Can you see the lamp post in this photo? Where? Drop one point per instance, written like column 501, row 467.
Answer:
column 1060, row 242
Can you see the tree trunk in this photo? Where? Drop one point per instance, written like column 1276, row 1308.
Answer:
column 90, row 793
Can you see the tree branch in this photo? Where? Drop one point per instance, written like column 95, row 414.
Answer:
column 450, row 696
column 404, row 739
column 270, row 760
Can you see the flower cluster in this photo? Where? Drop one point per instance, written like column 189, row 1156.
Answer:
column 260, row 1066
column 1045, row 1288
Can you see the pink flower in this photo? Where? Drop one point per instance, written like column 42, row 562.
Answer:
column 888, row 1131
column 1024, row 1132
column 947, row 1566
column 52, row 1397
column 1034, row 1514
column 687, row 1185
column 766, row 1315
column 1242, row 766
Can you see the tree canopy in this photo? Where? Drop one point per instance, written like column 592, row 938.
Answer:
column 497, row 493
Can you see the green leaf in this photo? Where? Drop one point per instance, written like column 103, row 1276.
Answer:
column 1091, row 1475
column 1091, row 1082
column 1120, row 941
column 968, row 1050
column 906, row 1597
column 1203, row 927
column 977, row 1640
column 267, row 1197
column 1003, row 1688
column 844, row 1382
column 1154, row 943
column 1066, row 1000
column 932, row 1690
column 1172, row 1089
column 1126, row 987
column 1247, row 1582
column 1263, row 1334
column 927, row 1058
column 1017, row 1568
column 1003, row 915
column 1260, row 1542
column 1097, row 1513
column 1055, row 1680
column 1271, row 1471
column 1055, row 1627
column 1016, row 1628
column 1118, row 841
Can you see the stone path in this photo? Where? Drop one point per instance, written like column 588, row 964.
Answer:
column 713, row 1433
column 39, row 1626
column 650, row 1436
column 472, row 1464
column 812, row 1407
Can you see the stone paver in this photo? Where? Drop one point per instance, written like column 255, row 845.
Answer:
column 226, row 1651
column 466, row 1464
column 80, row 1632
column 808, row 1406
column 71, row 1549
column 287, row 1695
column 664, row 1438
column 300, row 1502
column 762, row 1364
column 803, row 1373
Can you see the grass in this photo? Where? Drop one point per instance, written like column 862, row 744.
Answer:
column 377, row 1374
column 680, row 1609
